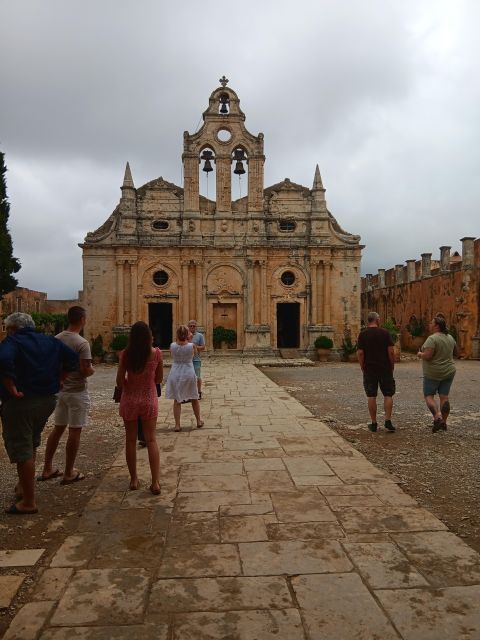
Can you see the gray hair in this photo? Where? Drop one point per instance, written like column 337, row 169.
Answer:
column 192, row 322
column 19, row 320
column 373, row 316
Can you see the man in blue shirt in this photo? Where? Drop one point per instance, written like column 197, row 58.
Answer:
column 199, row 341
column 32, row 366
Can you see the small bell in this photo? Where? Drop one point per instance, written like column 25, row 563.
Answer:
column 239, row 170
column 224, row 101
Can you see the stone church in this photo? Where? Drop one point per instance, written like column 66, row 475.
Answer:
column 273, row 264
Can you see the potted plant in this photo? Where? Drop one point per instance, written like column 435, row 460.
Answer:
column 349, row 348
column 119, row 342
column 97, row 349
column 323, row 345
column 223, row 337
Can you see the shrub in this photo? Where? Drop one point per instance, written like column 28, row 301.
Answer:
column 97, row 347
column 348, row 346
column 415, row 327
column 119, row 342
column 392, row 329
column 51, row 323
column 323, row 342
column 221, row 334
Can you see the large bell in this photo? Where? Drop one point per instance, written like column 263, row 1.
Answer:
column 207, row 155
column 224, row 102
column 207, row 166
column 239, row 170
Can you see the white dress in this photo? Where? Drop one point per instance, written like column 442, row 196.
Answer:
column 182, row 381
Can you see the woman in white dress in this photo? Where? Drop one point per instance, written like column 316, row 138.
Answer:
column 182, row 382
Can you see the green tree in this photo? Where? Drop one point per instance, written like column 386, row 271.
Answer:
column 8, row 264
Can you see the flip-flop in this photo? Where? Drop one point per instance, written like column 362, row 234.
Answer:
column 77, row 478
column 13, row 510
column 53, row 475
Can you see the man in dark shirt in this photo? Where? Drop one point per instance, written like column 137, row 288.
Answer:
column 31, row 367
column 376, row 358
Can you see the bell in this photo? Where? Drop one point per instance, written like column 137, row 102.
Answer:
column 224, row 100
column 239, row 168
column 223, row 108
column 207, row 155
column 207, row 167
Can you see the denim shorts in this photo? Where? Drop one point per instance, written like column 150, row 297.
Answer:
column 197, row 365
column 371, row 382
column 442, row 387
column 23, row 421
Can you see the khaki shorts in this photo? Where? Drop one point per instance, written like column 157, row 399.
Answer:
column 23, row 420
column 72, row 409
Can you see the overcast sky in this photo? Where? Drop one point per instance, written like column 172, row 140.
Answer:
column 383, row 94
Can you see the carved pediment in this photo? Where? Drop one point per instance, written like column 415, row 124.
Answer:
column 224, row 280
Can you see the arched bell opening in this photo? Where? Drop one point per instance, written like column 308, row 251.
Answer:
column 207, row 173
column 224, row 104
column 239, row 173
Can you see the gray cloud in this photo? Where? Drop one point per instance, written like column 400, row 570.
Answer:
column 383, row 95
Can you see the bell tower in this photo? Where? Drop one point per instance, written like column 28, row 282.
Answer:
column 224, row 144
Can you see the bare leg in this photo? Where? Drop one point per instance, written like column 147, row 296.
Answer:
column 388, row 407
column 131, row 451
column 444, row 408
column 372, row 409
column 53, row 441
column 196, row 411
column 153, row 453
column 26, row 477
column 199, row 385
column 433, row 407
column 71, row 450
column 177, row 411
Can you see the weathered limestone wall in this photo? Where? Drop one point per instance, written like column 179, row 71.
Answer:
column 424, row 288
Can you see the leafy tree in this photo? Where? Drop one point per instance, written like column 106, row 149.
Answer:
column 8, row 264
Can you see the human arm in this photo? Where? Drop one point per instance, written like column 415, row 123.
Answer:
column 200, row 344
column 10, row 386
column 86, row 368
column 361, row 358
column 159, row 370
column 391, row 356
column 121, row 371
column 426, row 354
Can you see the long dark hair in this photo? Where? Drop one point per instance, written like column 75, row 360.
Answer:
column 138, row 348
column 441, row 323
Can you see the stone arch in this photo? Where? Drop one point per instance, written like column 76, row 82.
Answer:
column 156, row 264
column 226, row 277
column 301, row 281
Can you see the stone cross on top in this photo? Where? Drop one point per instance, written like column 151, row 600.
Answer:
column 223, row 81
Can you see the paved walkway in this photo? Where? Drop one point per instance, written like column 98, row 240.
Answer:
column 269, row 527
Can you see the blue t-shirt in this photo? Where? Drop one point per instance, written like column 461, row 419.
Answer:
column 199, row 341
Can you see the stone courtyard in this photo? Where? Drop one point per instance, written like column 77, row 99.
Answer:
column 269, row 526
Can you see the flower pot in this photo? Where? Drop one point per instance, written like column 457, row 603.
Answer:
column 352, row 357
column 323, row 355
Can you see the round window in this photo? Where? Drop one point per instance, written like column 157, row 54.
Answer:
column 160, row 225
column 288, row 278
column 160, row 277
column 224, row 135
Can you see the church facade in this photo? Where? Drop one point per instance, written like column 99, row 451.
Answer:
column 274, row 265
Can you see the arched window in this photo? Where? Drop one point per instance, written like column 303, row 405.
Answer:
column 207, row 169
column 240, row 173
column 224, row 104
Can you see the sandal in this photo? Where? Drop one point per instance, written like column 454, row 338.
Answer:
column 200, row 424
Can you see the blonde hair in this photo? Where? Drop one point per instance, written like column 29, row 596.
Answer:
column 182, row 332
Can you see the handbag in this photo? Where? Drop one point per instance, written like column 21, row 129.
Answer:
column 159, row 389
column 117, row 394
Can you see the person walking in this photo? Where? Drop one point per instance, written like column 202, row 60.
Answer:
column 139, row 370
column 181, row 384
column 36, row 363
column 438, row 371
column 199, row 341
column 377, row 361
column 73, row 402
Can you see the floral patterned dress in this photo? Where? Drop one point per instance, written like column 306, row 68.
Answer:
column 139, row 394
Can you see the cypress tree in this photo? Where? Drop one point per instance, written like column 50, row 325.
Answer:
column 8, row 264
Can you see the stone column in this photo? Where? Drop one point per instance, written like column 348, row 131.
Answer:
column 426, row 265
column 255, row 183
column 120, row 292
column 250, row 294
column 326, row 293
column 191, row 182
column 410, row 270
column 399, row 274
column 133, row 291
column 257, row 284
column 468, row 254
column 264, row 298
column 313, row 293
column 186, row 292
column 445, row 258
column 198, row 313
column 224, row 184
column 381, row 278
column 368, row 281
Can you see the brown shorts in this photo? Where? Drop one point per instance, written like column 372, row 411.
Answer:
column 371, row 382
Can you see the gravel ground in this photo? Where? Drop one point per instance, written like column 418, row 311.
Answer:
column 439, row 470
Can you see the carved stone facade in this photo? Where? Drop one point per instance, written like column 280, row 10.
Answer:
column 422, row 288
column 274, row 265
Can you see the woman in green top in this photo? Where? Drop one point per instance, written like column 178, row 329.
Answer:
column 438, row 371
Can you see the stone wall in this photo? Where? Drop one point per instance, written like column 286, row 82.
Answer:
column 422, row 288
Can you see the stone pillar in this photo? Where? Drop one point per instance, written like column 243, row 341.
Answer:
column 326, row 294
column 224, row 184
column 191, row 182
column 120, row 292
column 257, row 290
column 264, row 298
column 255, row 184
column 133, row 291
column 250, row 295
column 410, row 270
column 368, row 282
column 313, row 293
column 198, row 313
column 186, row 292
column 399, row 274
column 381, row 278
column 468, row 256
column 445, row 258
column 426, row 265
